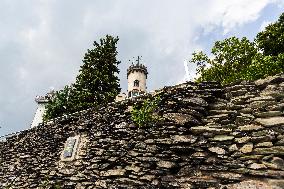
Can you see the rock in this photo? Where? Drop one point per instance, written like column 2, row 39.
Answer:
column 147, row 177
column 222, row 138
column 270, row 122
column 101, row 183
column 268, row 114
column 251, row 157
column 276, row 183
column 264, row 144
column 261, row 104
column 233, row 148
column 203, row 129
column 249, row 184
column 181, row 119
column 184, row 139
column 276, row 150
column 250, row 127
column 199, row 154
column 114, row 172
column 166, row 164
column 217, row 150
column 270, row 80
column 242, row 139
column 133, row 168
column 261, row 98
column 256, row 166
column 247, row 148
column 195, row 101
column 278, row 162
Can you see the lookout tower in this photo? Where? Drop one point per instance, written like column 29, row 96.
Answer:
column 136, row 76
column 42, row 102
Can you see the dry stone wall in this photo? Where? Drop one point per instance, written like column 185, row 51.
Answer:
column 210, row 137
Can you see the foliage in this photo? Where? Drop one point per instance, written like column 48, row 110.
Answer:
column 63, row 102
column 264, row 66
column 271, row 40
column 237, row 59
column 96, row 84
column 230, row 57
column 144, row 114
column 46, row 183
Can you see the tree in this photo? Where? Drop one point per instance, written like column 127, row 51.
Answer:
column 235, row 59
column 271, row 40
column 230, row 58
column 96, row 84
column 62, row 102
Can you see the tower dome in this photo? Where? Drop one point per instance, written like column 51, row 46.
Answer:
column 136, row 77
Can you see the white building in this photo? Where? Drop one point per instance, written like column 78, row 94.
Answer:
column 136, row 77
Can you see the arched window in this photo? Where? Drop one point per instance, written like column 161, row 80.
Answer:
column 136, row 83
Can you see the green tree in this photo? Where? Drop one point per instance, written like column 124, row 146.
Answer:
column 271, row 40
column 97, row 82
column 230, row 59
column 63, row 102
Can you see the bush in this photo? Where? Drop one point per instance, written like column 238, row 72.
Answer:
column 144, row 114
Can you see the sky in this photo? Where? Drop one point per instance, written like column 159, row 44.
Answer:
column 42, row 42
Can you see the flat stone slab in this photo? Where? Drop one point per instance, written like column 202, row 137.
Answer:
column 217, row 150
column 270, row 122
column 279, row 150
column 250, row 127
column 222, row 138
column 201, row 129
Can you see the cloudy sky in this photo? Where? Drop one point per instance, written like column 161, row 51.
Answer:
column 42, row 42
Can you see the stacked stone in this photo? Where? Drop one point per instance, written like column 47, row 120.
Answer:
column 210, row 136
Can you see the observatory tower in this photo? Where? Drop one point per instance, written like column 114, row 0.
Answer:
column 136, row 76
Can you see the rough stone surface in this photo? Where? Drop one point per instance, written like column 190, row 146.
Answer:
column 210, row 137
column 269, row 122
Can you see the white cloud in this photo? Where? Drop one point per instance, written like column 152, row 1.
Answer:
column 230, row 14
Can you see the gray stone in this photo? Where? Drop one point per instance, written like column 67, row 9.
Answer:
column 256, row 166
column 217, row 150
column 202, row 129
column 184, row 139
column 243, row 139
column 269, row 122
column 181, row 119
column 166, row 164
column 264, row 144
column 270, row 80
column 268, row 114
column 277, row 150
column 251, row 127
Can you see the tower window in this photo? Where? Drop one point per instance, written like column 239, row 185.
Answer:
column 136, row 83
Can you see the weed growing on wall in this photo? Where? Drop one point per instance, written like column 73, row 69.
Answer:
column 144, row 114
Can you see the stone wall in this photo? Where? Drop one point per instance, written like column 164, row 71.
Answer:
column 211, row 137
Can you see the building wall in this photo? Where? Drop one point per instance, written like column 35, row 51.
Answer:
column 210, row 137
column 38, row 118
column 141, row 77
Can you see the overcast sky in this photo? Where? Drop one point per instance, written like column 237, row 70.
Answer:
column 42, row 42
